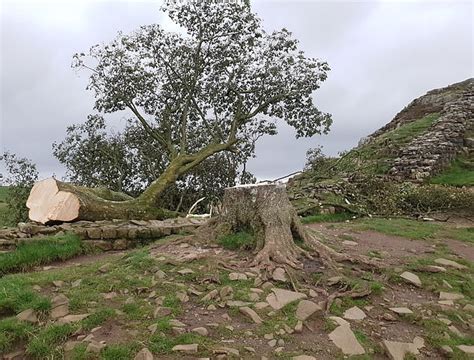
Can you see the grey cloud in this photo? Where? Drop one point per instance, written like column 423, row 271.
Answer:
column 382, row 55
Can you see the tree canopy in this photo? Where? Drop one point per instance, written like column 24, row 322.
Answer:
column 217, row 85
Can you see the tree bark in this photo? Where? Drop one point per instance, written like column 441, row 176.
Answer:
column 51, row 200
column 266, row 212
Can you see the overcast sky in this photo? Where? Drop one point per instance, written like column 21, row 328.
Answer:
column 382, row 55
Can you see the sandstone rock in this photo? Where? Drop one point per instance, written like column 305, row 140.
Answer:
column 261, row 305
column 354, row 313
column 72, row 318
column 334, row 280
column 279, row 275
column 455, row 331
column 344, row 339
column 450, row 263
column 432, row 269
column 305, row 309
column 185, row 271
column 412, row 278
column 182, row 296
column 450, row 296
column 237, row 276
column 467, row 349
column 468, row 307
column 303, row 357
column 446, row 350
column 226, row 351
column 226, row 292
column 237, row 303
column 94, row 347
column 251, row 314
column 299, row 327
column 59, row 311
column 349, row 243
column 201, row 331
column 28, row 315
column 281, row 297
column 210, row 295
column 144, row 354
column 161, row 311
column 340, row 321
column 105, row 268
column 401, row 310
column 177, row 323
column 58, row 283
column 187, row 348
column 397, row 350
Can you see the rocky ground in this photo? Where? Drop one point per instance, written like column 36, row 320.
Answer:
column 174, row 300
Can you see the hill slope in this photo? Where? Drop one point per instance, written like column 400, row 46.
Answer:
column 430, row 141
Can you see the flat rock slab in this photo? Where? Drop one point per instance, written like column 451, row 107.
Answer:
column 281, row 297
column 144, row 354
column 305, row 309
column 339, row 321
column 412, row 278
column 344, row 339
column 303, row 357
column 450, row 263
column 251, row 314
column 28, row 315
column 468, row 349
column 354, row 313
column 187, row 348
column 279, row 275
column 450, row 296
column 401, row 310
column 72, row 318
column 397, row 350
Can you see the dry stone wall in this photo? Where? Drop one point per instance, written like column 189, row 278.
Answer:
column 106, row 235
column 434, row 150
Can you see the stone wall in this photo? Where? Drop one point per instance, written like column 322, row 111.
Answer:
column 106, row 235
column 433, row 151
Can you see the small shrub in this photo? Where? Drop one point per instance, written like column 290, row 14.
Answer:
column 22, row 176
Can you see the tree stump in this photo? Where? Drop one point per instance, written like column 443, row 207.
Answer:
column 266, row 212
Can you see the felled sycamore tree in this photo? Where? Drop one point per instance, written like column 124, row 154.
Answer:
column 209, row 88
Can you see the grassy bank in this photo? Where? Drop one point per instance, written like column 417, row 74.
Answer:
column 40, row 252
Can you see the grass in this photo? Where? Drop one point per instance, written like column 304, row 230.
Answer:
column 460, row 173
column 414, row 229
column 12, row 331
column 39, row 252
column 237, row 241
column 44, row 344
column 400, row 227
column 318, row 218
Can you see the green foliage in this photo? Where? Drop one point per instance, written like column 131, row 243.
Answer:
column 41, row 251
column 460, row 173
column 318, row 218
column 240, row 240
column 22, row 174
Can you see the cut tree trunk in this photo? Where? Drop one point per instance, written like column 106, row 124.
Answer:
column 51, row 200
column 266, row 212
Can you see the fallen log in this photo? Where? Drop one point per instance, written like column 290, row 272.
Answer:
column 52, row 200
